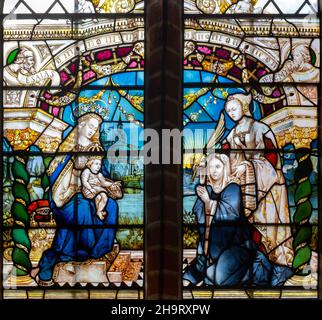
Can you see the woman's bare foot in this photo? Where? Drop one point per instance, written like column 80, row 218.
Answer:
column 34, row 272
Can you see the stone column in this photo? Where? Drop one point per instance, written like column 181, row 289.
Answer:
column 163, row 205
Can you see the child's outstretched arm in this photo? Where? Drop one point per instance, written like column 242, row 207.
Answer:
column 105, row 182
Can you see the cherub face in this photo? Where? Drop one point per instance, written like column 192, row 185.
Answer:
column 96, row 166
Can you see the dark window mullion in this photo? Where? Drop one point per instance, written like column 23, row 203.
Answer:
column 1, row 146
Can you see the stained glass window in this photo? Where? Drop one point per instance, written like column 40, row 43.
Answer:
column 73, row 114
column 250, row 172
column 73, row 190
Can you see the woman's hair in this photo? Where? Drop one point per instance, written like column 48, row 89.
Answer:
column 244, row 101
column 88, row 116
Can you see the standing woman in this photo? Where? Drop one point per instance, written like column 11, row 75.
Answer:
column 256, row 163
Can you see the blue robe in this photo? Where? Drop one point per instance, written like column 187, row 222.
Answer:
column 233, row 259
column 80, row 234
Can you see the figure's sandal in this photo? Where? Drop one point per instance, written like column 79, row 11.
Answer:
column 43, row 283
column 34, row 275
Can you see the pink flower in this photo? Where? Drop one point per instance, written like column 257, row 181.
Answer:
column 196, row 63
column 72, row 68
column 122, row 52
column 88, row 75
column 63, row 76
column 104, row 55
column 204, row 50
column 133, row 64
column 55, row 111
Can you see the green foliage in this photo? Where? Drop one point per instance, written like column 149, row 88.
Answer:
column 45, row 183
column 313, row 56
column 303, row 235
column 19, row 212
column 21, row 258
column 47, row 161
column 302, row 256
column 20, row 236
column 304, row 190
column 125, row 220
column 303, row 211
column 133, row 239
column 19, row 171
column 22, row 245
column 19, row 191
column 45, row 180
column 189, row 217
column 12, row 56
column 19, row 272
column 305, row 164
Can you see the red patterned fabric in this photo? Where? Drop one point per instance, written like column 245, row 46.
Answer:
column 270, row 156
column 37, row 204
column 257, row 238
column 226, row 146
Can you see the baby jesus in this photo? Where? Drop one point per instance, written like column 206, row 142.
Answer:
column 95, row 185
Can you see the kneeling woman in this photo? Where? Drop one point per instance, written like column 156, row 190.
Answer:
column 226, row 254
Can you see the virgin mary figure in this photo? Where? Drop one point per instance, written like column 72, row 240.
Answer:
column 226, row 254
column 80, row 233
